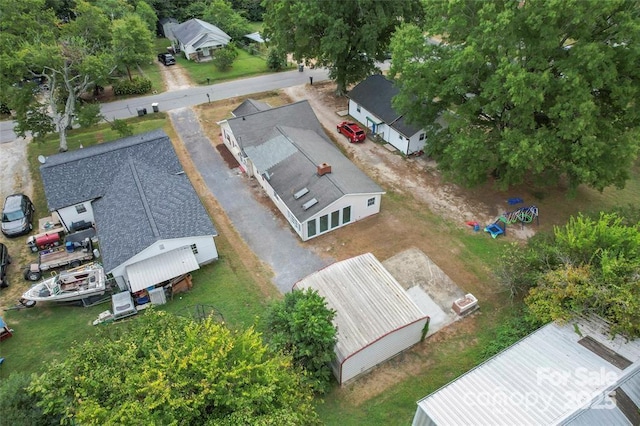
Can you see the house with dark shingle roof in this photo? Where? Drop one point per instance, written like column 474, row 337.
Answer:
column 149, row 220
column 197, row 39
column 309, row 180
column 370, row 104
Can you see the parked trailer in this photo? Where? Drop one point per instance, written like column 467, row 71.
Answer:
column 72, row 254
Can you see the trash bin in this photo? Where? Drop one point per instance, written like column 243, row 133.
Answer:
column 141, row 112
column 155, row 107
column 300, row 67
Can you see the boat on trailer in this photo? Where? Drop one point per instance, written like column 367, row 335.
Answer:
column 71, row 285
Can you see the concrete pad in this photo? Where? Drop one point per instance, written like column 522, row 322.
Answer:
column 343, row 113
column 427, row 285
column 389, row 147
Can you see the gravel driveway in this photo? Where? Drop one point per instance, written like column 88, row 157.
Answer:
column 265, row 234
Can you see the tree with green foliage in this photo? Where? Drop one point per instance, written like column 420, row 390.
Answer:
column 221, row 14
column 163, row 369
column 345, row 36
column 301, row 325
column 588, row 266
column 90, row 23
column 132, row 42
column 524, row 91
column 19, row 407
column 50, row 52
column 276, row 59
column 223, row 58
column 147, row 14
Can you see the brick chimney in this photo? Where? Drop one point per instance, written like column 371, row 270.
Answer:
column 323, row 169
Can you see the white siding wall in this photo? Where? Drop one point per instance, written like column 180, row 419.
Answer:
column 207, row 252
column 68, row 215
column 422, row 419
column 234, row 147
column 359, row 210
column 392, row 136
column 383, row 349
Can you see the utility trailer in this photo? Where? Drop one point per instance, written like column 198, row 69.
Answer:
column 73, row 254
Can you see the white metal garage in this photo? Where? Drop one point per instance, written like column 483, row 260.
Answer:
column 375, row 317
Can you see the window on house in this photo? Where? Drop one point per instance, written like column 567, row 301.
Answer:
column 194, row 248
column 358, row 108
column 371, row 201
column 335, row 219
column 324, row 223
column 80, row 208
column 421, row 136
column 346, row 214
column 311, row 228
column 400, row 137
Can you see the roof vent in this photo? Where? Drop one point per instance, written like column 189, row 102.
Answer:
column 301, row 193
column 323, row 169
column 309, row 204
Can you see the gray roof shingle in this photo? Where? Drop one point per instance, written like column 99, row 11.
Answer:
column 375, row 94
column 249, row 106
column 288, row 143
column 197, row 33
column 141, row 194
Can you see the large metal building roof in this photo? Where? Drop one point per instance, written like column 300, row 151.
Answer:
column 369, row 302
column 559, row 374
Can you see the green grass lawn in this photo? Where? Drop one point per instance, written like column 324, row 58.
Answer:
column 245, row 65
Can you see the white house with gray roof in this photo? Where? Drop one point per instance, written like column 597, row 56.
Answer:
column 562, row 374
column 312, row 183
column 149, row 220
column 375, row 317
column 198, row 39
column 370, row 103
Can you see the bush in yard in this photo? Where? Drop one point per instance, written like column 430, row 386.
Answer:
column 137, row 86
column 224, row 57
column 122, row 128
column 301, row 325
column 276, row 59
column 19, row 407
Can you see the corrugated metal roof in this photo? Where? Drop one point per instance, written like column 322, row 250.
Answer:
column 543, row 379
column 368, row 301
column 160, row 268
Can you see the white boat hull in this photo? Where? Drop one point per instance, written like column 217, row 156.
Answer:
column 74, row 284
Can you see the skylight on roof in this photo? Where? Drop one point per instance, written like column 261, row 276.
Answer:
column 309, row 204
column 301, row 193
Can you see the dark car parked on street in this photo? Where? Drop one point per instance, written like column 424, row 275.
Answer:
column 5, row 260
column 17, row 215
column 166, row 58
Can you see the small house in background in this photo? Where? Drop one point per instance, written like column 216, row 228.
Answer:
column 370, row 103
column 166, row 26
column 315, row 187
column 375, row 317
column 198, row 39
column 149, row 220
column 562, row 374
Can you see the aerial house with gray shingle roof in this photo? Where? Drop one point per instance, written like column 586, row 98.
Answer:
column 198, row 39
column 149, row 220
column 370, row 103
column 312, row 183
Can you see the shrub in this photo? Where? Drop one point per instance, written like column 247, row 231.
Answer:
column 137, row 86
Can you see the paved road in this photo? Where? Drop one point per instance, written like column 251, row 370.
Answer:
column 276, row 245
column 195, row 95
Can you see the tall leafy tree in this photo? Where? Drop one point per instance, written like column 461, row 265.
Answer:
column 345, row 36
column 221, row 14
column 302, row 325
column 148, row 15
column 525, row 90
column 162, row 369
column 132, row 42
column 590, row 265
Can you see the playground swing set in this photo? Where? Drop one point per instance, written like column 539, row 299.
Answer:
column 499, row 226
